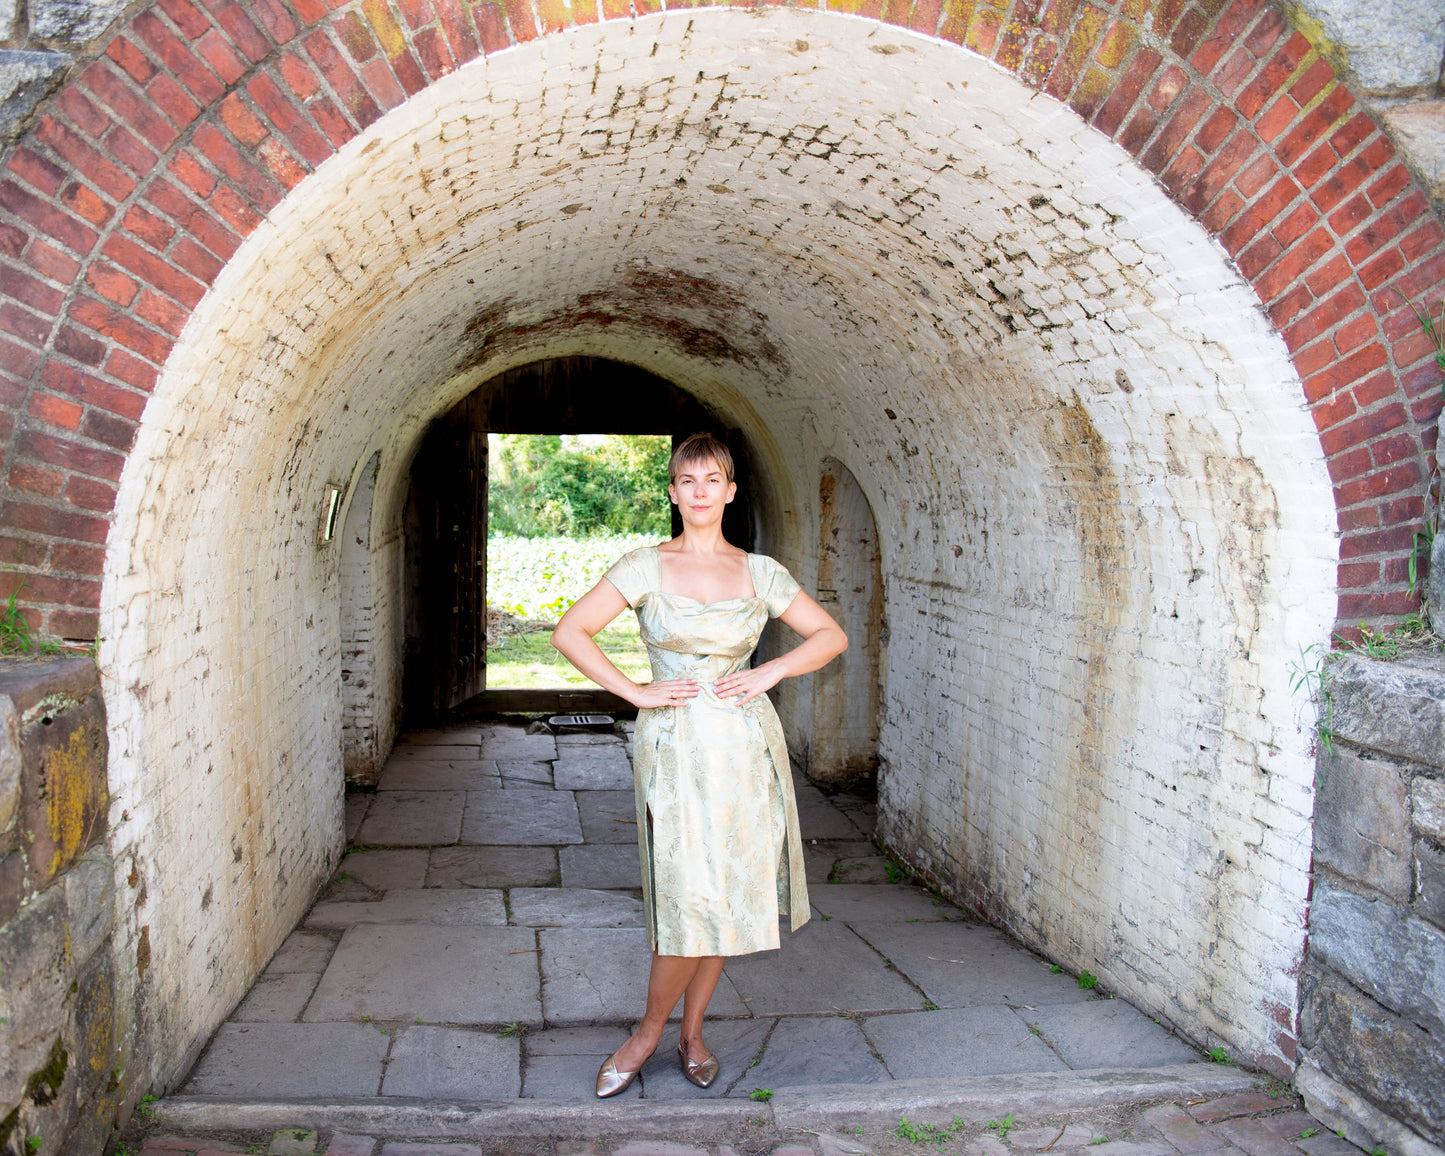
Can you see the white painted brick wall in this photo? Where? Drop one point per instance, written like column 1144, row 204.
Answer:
column 1106, row 526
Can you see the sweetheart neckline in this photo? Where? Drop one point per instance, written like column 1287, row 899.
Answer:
column 705, row 605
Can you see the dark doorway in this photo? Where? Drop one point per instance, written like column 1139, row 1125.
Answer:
column 446, row 532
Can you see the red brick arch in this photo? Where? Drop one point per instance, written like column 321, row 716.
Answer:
column 142, row 176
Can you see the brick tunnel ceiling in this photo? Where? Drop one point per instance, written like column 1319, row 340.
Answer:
column 831, row 216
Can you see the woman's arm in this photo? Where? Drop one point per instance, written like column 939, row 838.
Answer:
column 573, row 638
column 823, row 641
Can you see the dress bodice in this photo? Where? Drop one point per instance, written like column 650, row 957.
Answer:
column 686, row 638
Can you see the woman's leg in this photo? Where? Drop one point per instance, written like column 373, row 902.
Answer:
column 671, row 976
column 694, row 1005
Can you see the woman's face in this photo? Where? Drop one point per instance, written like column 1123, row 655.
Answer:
column 700, row 491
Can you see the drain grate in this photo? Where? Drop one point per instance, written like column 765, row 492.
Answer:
column 581, row 720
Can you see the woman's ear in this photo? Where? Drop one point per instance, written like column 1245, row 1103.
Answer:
column 732, row 490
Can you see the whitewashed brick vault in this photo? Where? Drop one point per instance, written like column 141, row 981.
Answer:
column 1105, row 521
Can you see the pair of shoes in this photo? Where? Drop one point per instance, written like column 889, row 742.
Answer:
column 702, row 1074
column 611, row 1082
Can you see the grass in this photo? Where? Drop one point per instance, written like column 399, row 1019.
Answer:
column 521, row 657
column 762, row 1095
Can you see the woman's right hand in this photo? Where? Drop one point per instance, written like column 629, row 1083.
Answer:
column 671, row 692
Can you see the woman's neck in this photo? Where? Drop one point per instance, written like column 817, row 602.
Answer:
column 702, row 540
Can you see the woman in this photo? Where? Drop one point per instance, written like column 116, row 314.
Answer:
column 717, row 826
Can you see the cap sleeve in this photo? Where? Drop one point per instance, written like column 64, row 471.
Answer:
column 780, row 590
column 630, row 575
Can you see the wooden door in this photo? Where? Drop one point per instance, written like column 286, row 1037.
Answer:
column 447, row 547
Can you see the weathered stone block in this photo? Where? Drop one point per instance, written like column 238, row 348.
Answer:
column 1427, row 807
column 26, row 78
column 1380, row 1054
column 37, row 976
column 1397, row 708
column 72, row 21
column 90, row 903
column 65, row 795
column 9, row 765
column 1362, row 822
column 1429, row 901
column 1388, row 953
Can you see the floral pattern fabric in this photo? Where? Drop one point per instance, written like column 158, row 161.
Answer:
column 717, row 824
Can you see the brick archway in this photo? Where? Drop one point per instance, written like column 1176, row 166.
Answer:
column 149, row 168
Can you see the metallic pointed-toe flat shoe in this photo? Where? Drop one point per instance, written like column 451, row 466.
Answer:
column 702, row 1074
column 611, row 1082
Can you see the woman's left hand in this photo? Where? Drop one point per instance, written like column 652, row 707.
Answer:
column 744, row 685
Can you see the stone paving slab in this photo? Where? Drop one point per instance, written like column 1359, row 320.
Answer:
column 452, row 1063
column 526, row 775
column 572, row 907
column 601, row 865
column 608, row 816
column 456, row 735
column 433, row 775
column 383, row 870
column 599, row 1040
column 279, row 999
column 1108, row 1033
column 291, row 1061
column 570, row 1078
column 880, row 902
column 413, row 818
column 819, row 819
column 954, row 1042
column 521, row 818
column 592, row 769
column 406, row 750
column 302, row 951
column 601, row 974
column 807, row 1050
column 866, row 869
column 477, row 975
column 507, row 742
column 736, row 1043
column 964, row 964
column 822, row 967
column 354, row 814
column 453, row 905
column 470, row 866
column 820, row 856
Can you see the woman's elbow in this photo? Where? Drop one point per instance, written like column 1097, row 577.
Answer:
column 842, row 642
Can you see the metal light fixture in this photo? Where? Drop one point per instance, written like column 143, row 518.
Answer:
column 330, row 508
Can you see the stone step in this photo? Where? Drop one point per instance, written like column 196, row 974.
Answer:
column 1031, row 1096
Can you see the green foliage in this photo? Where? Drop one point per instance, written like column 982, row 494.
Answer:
column 545, row 484
column 926, row 1133
column 1424, row 539
column 1055, row 969
column 762, row 1095
column 895, row 873
column 541, row 577
column 1311, row 674
column 514, row 1030
column 1373, row 643
column 1005, row 1126
column 15, row 636
column 1088, row 980
column 1219, row 1056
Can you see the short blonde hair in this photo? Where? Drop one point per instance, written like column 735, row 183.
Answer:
column 696, row 448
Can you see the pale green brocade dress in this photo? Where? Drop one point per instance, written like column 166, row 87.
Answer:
column 722, row 856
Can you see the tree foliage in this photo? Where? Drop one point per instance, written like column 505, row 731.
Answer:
column 544, row 485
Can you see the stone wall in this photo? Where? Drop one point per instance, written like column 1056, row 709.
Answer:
column 64, row 1051
column 1373, row 988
